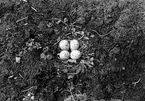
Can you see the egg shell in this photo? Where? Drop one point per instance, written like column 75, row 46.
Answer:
column 64, row 45
column 74, row 44
column 64, row 55
column 75, row 54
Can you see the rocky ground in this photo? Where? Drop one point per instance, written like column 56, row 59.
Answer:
column 112, row 42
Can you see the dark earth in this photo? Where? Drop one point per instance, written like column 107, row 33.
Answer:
column 112, row 38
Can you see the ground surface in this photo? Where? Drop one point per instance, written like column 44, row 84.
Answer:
column 112, row 38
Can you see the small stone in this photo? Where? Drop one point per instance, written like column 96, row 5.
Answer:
column 43, row 56
column 18, row 59
column 65, row 70
column 49, row 56
column 32, row 97
column 92, row 36
column 29, row 94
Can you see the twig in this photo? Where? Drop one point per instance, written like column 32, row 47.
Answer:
column 21, row 19
column 34, row 9
column 134, row 83
column 99, row 34
column 83, row 46
column 123, row 95
column 75, row 26
column 81, row 33
column 58, row 40
column 70, row 90
column 91, row 9
column 60, row 21
column 27, row 89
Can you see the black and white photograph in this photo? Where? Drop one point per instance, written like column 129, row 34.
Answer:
column 72, row 50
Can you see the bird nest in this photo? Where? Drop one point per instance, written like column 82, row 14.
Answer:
column 70, row 66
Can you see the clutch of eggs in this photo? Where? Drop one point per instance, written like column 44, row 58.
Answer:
column 73, row 46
